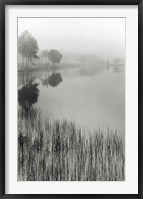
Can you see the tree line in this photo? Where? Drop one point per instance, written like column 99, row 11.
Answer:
column 28, row 49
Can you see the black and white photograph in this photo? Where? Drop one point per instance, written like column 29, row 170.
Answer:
column 71, row 98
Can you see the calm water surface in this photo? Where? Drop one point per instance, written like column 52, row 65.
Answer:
column 93, row 98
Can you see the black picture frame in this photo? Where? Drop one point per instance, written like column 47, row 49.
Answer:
column 3, row 3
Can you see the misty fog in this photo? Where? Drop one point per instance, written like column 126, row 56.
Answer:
column 71, row 99
column 101, row 36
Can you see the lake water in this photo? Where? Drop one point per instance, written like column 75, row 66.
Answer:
column 93, row 97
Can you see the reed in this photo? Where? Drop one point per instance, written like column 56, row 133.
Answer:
column 59, row 150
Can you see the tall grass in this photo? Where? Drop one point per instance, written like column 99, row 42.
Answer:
column 54, row 150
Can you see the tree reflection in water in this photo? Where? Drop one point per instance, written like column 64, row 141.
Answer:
column 118, row 69
column 45, row 82
column 53, row 80
column 28, row 91
column 27, row 96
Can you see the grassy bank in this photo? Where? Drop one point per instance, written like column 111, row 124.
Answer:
column 54, row 150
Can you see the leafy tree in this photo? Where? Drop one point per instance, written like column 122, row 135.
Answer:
column 27, row 47
column 54, row 56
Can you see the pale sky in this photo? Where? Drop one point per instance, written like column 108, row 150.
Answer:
column 102, row 36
